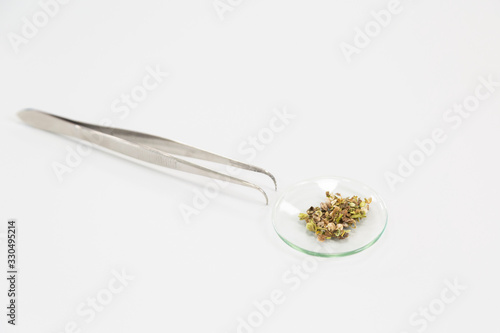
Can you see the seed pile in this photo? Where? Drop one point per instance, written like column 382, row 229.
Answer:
column 335, row 217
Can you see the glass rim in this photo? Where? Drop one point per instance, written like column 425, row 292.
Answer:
column 322, row 254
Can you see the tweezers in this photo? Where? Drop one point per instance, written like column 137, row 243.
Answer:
column 145, row 147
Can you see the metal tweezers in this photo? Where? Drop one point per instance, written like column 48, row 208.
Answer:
column 141, row 146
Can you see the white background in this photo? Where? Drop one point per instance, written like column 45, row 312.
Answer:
column 226, row 78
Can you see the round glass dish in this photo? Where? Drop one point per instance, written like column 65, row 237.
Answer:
column 310, row 193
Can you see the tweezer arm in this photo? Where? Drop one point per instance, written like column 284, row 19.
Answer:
column 144, row 147
column 175, row 147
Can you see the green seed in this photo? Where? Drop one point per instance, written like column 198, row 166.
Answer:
column 311, row 226
column 303, row 216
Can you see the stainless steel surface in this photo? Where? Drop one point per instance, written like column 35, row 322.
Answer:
column 144, row 147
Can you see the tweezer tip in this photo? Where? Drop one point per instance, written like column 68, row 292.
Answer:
column 274, row 181
column 260, row 190
column 272, row 177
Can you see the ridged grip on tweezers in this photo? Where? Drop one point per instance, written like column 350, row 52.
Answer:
column 144, row 147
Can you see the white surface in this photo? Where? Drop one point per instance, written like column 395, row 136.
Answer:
column 226, row 78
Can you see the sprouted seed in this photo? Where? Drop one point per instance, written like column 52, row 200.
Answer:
column 335, row 217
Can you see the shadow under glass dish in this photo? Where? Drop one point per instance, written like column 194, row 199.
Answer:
column 311, row 193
